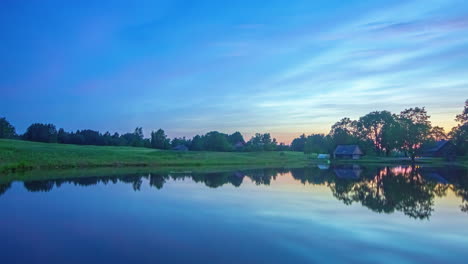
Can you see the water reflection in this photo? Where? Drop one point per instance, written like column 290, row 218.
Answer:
column 406, row 189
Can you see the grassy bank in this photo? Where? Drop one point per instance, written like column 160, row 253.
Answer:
column 16, row 155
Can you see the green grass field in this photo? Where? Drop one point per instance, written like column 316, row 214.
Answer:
column 17, row 155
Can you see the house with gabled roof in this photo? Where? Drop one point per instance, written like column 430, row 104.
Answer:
column 347, row 152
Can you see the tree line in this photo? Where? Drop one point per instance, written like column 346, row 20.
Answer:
column 211, row 141
column 378, row 132
column 381, row 133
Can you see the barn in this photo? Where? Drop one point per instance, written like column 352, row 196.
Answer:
column 441, row 148
column 347, row 152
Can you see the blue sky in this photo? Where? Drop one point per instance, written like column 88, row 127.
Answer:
column 285, row 67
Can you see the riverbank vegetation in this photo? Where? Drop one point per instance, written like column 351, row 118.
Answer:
column 379, row 133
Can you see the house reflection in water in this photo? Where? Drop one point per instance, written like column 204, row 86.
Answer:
column 348, row 172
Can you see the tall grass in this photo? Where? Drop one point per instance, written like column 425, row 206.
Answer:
column 16, row 155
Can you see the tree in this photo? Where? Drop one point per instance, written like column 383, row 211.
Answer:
column 215, row 141
column 197, row 143
column 134, row 139
column 261, row 142
column 344, row 132
column 63, row 137
column 139, row 133
column 438, row 133
column 463, row 117
column 392, row 135
column 41, row 132
column 372, row 127
column 316, row 143
column 459, row 134
column 159, row 140
column 6, row 129
column 235, row 138
column 298, row 143
column 416, row 127
column 180, row 141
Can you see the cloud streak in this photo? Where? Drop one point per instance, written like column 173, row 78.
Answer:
column 288, row 69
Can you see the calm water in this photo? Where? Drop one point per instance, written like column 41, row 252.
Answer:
column 315, row 215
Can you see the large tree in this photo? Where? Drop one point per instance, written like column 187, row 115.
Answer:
column 317, row 143
column 41, row 132
column 392, row 135
column 159, row 140
column 6, row 129
column 344, row 131
column 298, row 143
column 216, row 141
column 235, row 138
column 416, row 128
column 372, row 127
column 438, row 133
column 261, row 142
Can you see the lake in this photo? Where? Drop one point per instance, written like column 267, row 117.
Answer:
column 320, row 214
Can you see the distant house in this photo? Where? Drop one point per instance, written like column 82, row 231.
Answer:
column 347, row 152
column 180, row 148
column 441, row 148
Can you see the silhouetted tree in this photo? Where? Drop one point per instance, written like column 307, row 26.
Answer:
column 371, row 127
column 317, row 143
column 416, row 129
column 159, row 140
column 298, row 143
column 235, row 138
column 41, row 132
column 344, row 132
column 459, row 134
column 215, row 141
column 6, row 129
column 438, row 133
column 261, row 142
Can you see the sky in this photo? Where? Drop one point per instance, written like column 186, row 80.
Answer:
column 190, row 67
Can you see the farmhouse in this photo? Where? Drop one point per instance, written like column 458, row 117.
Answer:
column 441, row 148
column 347, row 152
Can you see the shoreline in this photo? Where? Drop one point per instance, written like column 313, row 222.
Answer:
column 20, row 156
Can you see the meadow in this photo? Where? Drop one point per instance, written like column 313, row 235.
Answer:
column 17, row 155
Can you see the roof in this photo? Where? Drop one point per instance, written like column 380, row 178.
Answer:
column 348, row 150
column 438, row 146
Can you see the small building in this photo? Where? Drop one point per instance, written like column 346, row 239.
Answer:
column 180, row 148
column 441, row 148
column 323, row 156
column 347, row 152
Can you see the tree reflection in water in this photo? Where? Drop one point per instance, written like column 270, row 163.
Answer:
column 407, row 189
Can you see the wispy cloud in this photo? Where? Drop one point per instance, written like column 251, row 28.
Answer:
column 287, row 69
